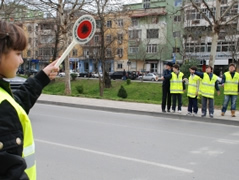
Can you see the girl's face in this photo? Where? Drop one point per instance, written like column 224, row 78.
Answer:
column 9, row 63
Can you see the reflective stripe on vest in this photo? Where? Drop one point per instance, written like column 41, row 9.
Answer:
column 192, row 86
column 176, row 86
column 208, row 86
column 28, row 143
column 231, row 84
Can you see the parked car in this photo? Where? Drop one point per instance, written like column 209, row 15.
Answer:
column 119, row 75
column 150, row 77
column 63, row 74
column 15, row 82
column 31, row 72
column 96, row 75
column 85, row 74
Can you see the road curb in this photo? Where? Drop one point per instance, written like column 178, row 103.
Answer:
column 155, row 114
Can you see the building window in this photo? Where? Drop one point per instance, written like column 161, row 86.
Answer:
column 152, row 33
column 133, row 50
column 151, row 48
column 146, row 4
column 29, row 40
column 120, row 22
column 134, row 34
column 29, row 53
column 177, row 18
column 108, row 38
column 96, row 38
column 119, row 66
column 74, row 52
column 109, row 24
column 36, row 53
column 120, row 52
column 98, row 23
column 135, row 21
column 176, row 34
column 108, row 52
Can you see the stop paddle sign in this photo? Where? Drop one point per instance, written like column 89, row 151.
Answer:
column 83, row 31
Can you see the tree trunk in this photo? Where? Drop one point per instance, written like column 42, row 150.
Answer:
column 213, row 48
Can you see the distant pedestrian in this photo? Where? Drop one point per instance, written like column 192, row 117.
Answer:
column 208, row 85
column 177, row 87
column 193, row 92
column 124, row 75
column 166, row 96
column 230, row 82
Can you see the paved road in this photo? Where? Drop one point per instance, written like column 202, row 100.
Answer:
column 82, row 144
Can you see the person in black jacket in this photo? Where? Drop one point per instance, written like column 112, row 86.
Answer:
column 15, row 104
column 166, row 96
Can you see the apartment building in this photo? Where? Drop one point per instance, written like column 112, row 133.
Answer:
column 111, row 39
column 198, row 34
column 154, row 34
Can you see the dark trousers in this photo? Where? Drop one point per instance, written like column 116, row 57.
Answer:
column 193, row 105
column 175, row 98
column 166, row 98
column 204, row 105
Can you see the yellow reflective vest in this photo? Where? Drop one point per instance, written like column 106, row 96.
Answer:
column 207, row 86
column 28, row 142
column 231, row 84
column 176, row 83
column 193, row 84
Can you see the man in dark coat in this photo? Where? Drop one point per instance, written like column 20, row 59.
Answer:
column 166, row 96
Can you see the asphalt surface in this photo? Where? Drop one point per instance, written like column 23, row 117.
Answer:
column 136, row 108
column 87, row 144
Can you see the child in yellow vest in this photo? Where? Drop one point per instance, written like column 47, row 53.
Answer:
column 193, row 90
column 230, row 82
column 16, row 139
column 208, row 85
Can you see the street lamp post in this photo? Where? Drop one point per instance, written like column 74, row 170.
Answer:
column 128, row 63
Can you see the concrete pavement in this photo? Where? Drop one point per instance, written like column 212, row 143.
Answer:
column 138, row 108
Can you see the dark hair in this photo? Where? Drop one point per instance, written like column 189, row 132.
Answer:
column 12, row 37
column 193, row 68
column 232, row 64
column 176, row 66
column 210, row 67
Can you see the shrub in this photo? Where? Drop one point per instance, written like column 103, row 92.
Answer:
column 73, row 76
column 80, row 89
column 122, row 92
column 128, row 81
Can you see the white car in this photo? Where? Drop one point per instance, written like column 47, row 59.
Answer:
column 96, row 75
column 150, row 77
column 63, row 74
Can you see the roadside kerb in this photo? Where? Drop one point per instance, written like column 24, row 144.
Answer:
column 67, row 101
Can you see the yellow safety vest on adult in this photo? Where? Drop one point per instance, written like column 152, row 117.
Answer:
column 231, row 84
column 192, row 86
column 28, row 142
column 176, row 86
column 207, row 86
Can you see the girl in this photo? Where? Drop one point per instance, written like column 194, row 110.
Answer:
column 16, row 140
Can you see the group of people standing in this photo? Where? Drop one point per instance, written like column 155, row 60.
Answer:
column 200, row 85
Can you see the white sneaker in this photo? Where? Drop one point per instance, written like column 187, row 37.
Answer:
column 194, row 114
column 179, row 111
column 189, row 114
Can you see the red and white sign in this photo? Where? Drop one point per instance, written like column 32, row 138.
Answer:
column 83, row 31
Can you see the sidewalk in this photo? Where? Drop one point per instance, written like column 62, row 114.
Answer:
column 137, row 108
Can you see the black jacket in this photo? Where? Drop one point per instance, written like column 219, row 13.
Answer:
column 12, row 165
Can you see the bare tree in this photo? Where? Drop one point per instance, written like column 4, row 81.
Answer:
column 105, row 12
column 64, row 12
column 216, row 18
